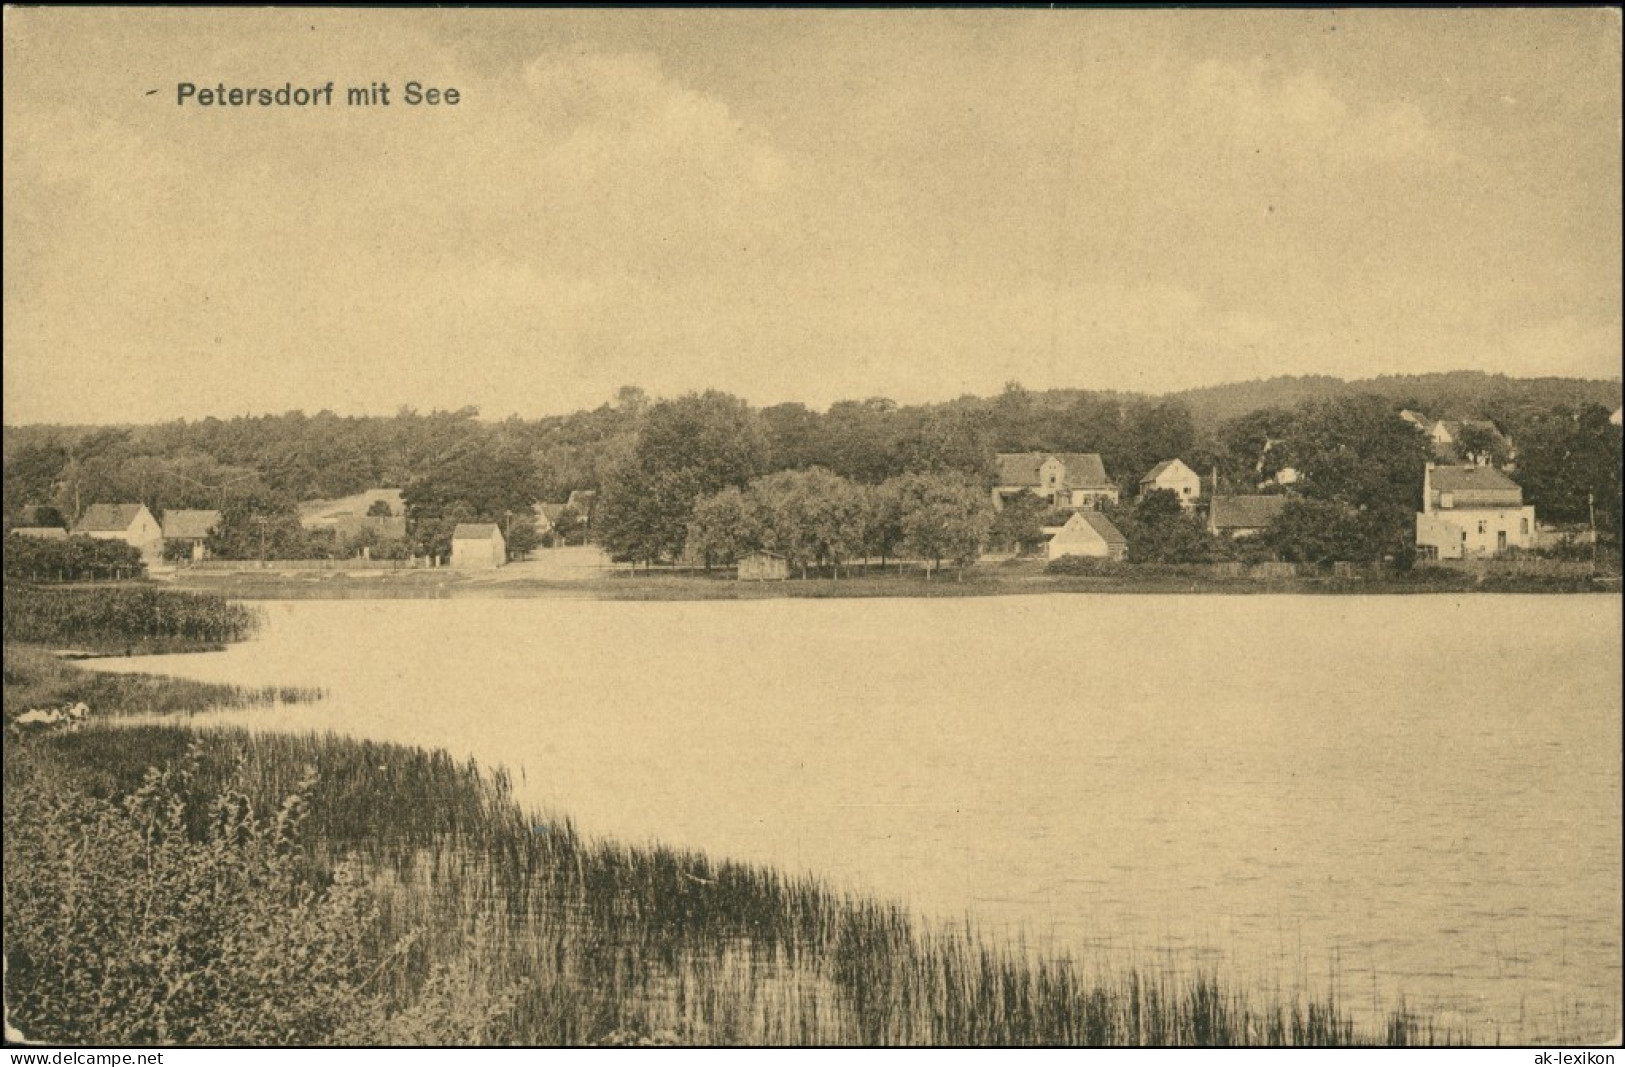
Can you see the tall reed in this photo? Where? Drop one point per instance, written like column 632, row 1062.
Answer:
column 579, row 941
column 120, row 616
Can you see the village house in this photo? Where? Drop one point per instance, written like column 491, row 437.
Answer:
column 1243, row 516
column 190, row 528
column 763, row 566
column 1175, row 477
column 1471, row 512
column 1416, row 419
column 131, row 523
column 1071, row 480
column 478, row 546
column 1088, row 533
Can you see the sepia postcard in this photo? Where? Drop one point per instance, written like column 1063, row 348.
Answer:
column 811, row 528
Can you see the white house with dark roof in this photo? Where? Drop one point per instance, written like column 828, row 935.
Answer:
column 1088, row 533
column 1072, row 480
column 189, row 527
column 1472, row 513
column 478, row 546
column 1175, row 477
column 131, row 523
column 1243, row 516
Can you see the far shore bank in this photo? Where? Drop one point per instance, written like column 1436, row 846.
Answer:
column 985, row 580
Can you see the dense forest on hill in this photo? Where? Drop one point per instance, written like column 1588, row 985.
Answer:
column 1455, row 394
column 650, row 458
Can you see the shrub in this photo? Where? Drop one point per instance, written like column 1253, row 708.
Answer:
column 72, row 559
column 148, row 921
column 1085, row 567
column 120, row 923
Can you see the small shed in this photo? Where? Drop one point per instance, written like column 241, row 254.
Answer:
column 478, row 546
column 761, row 566
column 1088, row 533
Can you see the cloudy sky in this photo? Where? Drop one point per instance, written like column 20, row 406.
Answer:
column 798, row 205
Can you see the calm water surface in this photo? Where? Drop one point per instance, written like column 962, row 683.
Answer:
column 1396, row 796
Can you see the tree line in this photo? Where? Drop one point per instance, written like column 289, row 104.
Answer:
column 652, row 461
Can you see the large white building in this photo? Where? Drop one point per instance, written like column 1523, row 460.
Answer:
column 1472, row 513
column 1071, row 480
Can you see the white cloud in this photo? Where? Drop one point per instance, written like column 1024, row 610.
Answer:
column 1299, row 119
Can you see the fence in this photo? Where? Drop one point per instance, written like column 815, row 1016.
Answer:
column 302, row 565
column 1551, row 568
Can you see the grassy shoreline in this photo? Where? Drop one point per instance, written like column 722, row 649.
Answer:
column 976, row 582
column 449, row 914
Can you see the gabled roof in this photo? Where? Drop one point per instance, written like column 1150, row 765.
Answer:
column 550, row 512
column 108, row 518
column 1162, row 468
column 1084, row 470
column 189, row 525
column 1103, row 526
column 1245, row 512
column 475, row 531
column 1472, row 479
column 582, row 499
column 1154, row 472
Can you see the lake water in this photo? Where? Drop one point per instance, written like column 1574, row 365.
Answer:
column 1399, row 796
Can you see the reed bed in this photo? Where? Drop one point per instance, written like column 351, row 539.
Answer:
column 121, row 617
column 36, row 679
column 492, row 924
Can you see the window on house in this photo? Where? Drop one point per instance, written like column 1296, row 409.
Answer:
column 1523, row 527
column 1447, row 500
column 1483, row 527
